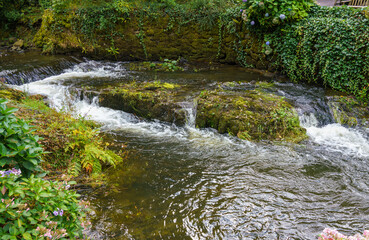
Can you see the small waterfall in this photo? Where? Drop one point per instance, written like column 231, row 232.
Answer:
column 310, row 102
column 338, row 138
column 190, row 109
column 32, row 73
column 308, row 120
column 62, row 95
column 316, row 116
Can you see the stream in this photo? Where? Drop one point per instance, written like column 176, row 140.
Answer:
column 181, row 182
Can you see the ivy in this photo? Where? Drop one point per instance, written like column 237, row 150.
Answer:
column 329, row 48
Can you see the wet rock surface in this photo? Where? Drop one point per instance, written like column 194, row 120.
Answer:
column 349, row 111
column 149, row 100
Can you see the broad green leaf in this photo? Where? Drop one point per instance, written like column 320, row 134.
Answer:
column 46, row 195
column 29, row 166
column 27, row 236
column 19, row 222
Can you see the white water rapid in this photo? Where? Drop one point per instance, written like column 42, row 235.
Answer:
column 334, row 136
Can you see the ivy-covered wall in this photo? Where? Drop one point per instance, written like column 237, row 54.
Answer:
column 139, row 35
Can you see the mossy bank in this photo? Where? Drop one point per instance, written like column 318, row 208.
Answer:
column 72, row 146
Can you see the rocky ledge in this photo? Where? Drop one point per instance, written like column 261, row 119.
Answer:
column 245, row 111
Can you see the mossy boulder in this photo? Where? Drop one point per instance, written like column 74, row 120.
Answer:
column 348, row 111
column 249, row 114
column 150, row 100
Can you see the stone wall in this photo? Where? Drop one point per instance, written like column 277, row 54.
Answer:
column 155, row 39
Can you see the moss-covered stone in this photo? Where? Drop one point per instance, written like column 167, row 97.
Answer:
column 249, row 114
column 150, row 38
column 150, row 100
column 348, row 111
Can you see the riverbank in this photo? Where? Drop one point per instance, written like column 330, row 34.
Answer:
column 71, row 144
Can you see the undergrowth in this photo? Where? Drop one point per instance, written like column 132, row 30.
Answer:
column 72, row 145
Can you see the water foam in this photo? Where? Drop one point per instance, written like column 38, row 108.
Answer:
column 334, row 136
column 341, row 139
column 60, row 98
column 90, row 69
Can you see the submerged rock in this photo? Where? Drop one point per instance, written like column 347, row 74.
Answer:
column 348, row 111
column 249, row 114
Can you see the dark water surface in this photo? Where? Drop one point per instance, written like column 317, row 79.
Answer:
column 186, row 183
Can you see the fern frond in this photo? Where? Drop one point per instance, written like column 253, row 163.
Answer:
column 74, row 168
column 97, row 166
column 104, row 155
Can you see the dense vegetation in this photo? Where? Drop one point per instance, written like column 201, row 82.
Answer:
column 330, row 47
column 72, row 146
column 31, row 207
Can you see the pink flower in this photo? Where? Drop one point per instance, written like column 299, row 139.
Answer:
column 48, row 234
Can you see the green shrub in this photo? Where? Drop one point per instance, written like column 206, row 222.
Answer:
column 100, row 20
column 11, row 11
column 270, row 13
column 19, row 148
column 330, row 47
column 38, row 209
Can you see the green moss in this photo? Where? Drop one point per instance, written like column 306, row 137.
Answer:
column 250, row 115
column 150, row 100
column 349, row 111
column 166, row 66
column 262, row 84
column 153, row 36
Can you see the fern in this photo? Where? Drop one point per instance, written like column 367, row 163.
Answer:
column 94, row 155
column 96, row 168
column 74, row 168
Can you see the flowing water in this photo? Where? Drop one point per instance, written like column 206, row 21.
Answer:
column 188, row 183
